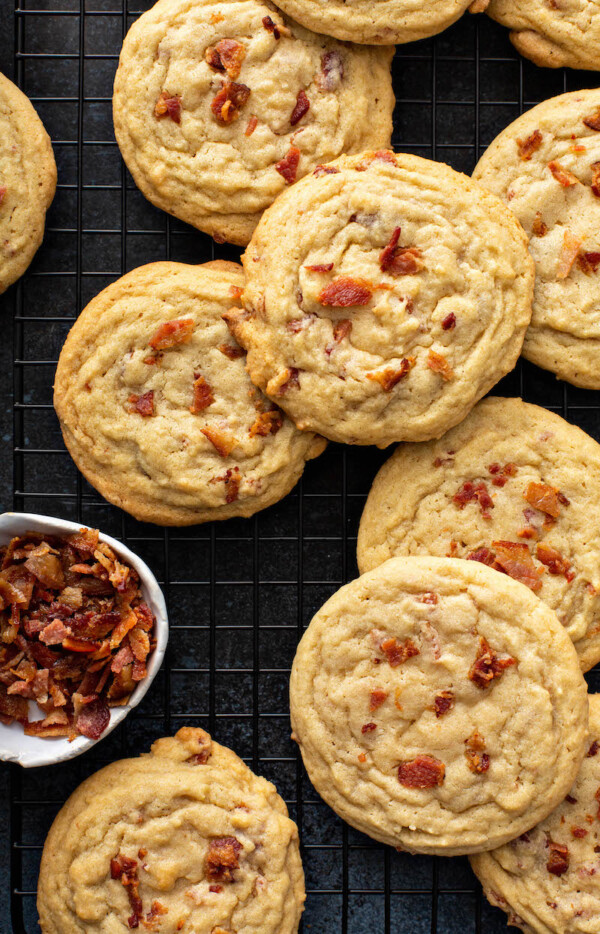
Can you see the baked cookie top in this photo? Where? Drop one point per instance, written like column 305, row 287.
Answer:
column 156, row 408
column 382, row 22
column 220, row 106
column 546, row 166
column 548, row 880
column 513, row 486
column 27, row 182
column 185, row 838
column 438, row 705
column 384, row 296
column 552, row 34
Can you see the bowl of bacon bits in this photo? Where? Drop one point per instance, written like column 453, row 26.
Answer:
column 83, row 631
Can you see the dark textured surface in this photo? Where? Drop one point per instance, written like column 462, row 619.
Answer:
column 239, row 593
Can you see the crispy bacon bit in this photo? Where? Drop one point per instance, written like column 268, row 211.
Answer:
column 222, row 859
column 558, row 858
column 346, row 292
column 554, row 561
column 251, row 126
column 443, row 702
column 376, row 699
column 326, row 170
column 501, row 474
column 3, row 190
column 477, row 760
column 514, row 558
column 484, row 556
column 341, row 329
column 382, row 155
column 593, row 121
column 232, row 351
column 368, row 727
column 400, row 261
column 431, row 599
column 398, row 652
column 203, row 395
column 568, row 254
column 438, row 363
column 320, row 267
column 362, row 757
column 288, row 166
column 588, row 262
column 388, row 378
column 528, row 146
column 125, row 870
column 172, row 333
column 539, row 228
column 215, row 888
column 227, row 55
column 267, row 423
column 168, row 107
column 562, row 175
column 93, row 719
column 595, row 186
column 228, row 102
column 546, row 498
column 277, row 30
column 222, row 441
column 488, row 665
column 422, row 772
column 593, row 750
column 579, row 832
column 232, row 482
column 143, row 405
column 470, row 492
column 301, row 108
column 287, row 379
column 332, row 71
column 449, row 322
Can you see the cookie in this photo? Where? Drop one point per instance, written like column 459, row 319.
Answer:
column 381, row 22
column 27, row 182
column 219, row 107
column 385, row 294
column 548, row 881
column 552, row 34
column 185, row 838
column 546, row 166
column 439, row 706
column 156, row 408
column 513, row 486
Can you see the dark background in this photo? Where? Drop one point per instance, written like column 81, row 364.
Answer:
column 240, row 592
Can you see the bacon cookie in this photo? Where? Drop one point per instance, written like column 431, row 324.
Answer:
column 513, row 486
column 185, row 838
column 156, row 408
column 552, row 33
column 382, row 22
column 27, row 182
column 384, row 296
column 548, row 880
column 546, row 166
column 439, row 706
column 220, row 106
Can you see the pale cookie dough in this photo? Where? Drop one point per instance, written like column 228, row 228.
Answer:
column 27, row 182
column 156, row 408
column 183, row 839
column 220, row 106
column 552, row 33
column 548, row 881
column 385, row 294
column 439, row 706
column 513, row 486
column 382, row 22
column 546, row 166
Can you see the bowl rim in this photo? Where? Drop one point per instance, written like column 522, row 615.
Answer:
column 34, row 751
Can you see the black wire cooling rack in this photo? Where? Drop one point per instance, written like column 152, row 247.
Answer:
column 240, row 592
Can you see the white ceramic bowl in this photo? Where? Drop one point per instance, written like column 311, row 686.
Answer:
column 30, row 751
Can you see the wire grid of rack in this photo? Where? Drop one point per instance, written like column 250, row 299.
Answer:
column 241, row 592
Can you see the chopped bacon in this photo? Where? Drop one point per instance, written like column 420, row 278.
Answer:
column 579, row 832
column 203, row 395
column 171, row 333
column 222, row 859
column 382, row 155
column 227, row 55
column 277, row 30
column 478, row 492
column 228, row 102
column 568, row 254
column 484, row 556
column 443, row 702
column 125, row 870
column 301, row 108
column 376, row 699
column 588, row 262
column 368, row 727
column 449, row 322
column 55, row 632
column 422, row 772
column 93, row 719
column 346, row 292
column 326, row 170
column 514, row 558
column 267, row 423
column 477, row 760
column 3, row 190
column 215, row 888
column 593, row 750
column 222, row 441
column 400, row 261
column 167, row 106
column 388, row 378
column 571, row 799
column 288, row 166
column 341, row 329
column 438, row 363
column 546, row 498
column 251, row 125
column 332, row 71
column 398, row 652
column 539, row 228
column 562, row 175
column 554, row 561
column 593, row 121
column 500, row 474
column 431, row 599
column 287, row 379
column 143, row 405
column 231, row 351
column 320, row 267
column 558, row 858
column 488, row 665
column 528, row 146
column 595, row 186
